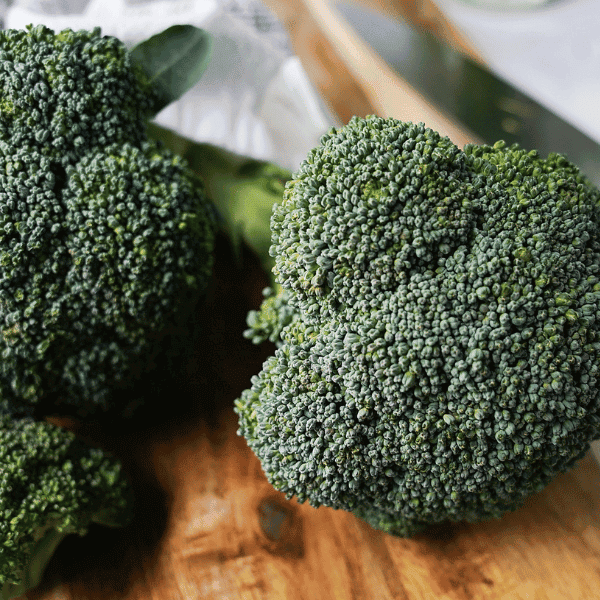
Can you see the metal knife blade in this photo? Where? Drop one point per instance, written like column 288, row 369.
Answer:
column 487, row 105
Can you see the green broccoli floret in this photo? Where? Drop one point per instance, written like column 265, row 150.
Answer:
column 92, row 273
column 106, row 239
column 442, row 360
column 274, row 315
column 51, row 485
column 68, row 92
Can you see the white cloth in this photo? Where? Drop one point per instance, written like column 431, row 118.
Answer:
column 551, row 52
column 254, row 98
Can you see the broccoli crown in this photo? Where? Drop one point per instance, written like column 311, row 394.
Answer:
column 51, row 485
column 93, row 271
column 442, row 360
column 64, row 93
column 106, row 239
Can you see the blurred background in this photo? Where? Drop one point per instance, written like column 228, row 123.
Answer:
column 526, row 71
column 547, row 50
column 523, row 70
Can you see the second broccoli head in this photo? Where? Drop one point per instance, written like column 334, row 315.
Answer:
column 106, row 239
column 437, row 322
column 67, row 92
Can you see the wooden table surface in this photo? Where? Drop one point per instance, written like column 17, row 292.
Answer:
column 209, row 526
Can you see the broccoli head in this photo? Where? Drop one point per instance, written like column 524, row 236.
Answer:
column 67, row 92
column 51, row 485
column 437, row 324
column 106, row 239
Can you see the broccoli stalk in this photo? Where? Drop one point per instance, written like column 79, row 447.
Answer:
column 244, row 191
column 31, row 576
column 437, row 327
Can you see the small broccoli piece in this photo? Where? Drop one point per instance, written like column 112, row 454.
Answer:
column 268, row 322
column 68, row 92
column 442, row 359
column 106, row 239
column 51, row 485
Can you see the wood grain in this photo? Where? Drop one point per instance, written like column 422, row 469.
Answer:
column 325, row 65
column 227, row 534
column 209, row 526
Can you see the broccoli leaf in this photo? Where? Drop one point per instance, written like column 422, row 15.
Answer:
column 173, row 60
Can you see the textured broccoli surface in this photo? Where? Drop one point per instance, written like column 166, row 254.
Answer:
column 91, row 274
column 274, row 315
column 437, row 326
column 105, row 238
column 51, row 485
column 67, row 92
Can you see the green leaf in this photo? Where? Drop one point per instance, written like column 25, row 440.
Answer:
column 173, row 60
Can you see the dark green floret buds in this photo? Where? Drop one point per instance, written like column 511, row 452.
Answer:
column 67, row 92
column 106, row 239
column 437, row 324
column 94, row 271
column 51, row 485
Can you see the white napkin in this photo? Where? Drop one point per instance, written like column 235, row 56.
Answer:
column 254, row 98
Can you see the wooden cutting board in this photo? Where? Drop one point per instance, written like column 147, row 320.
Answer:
column 209, row 526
